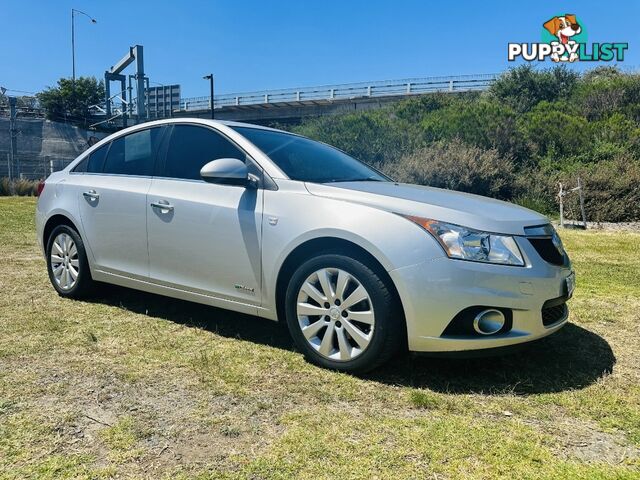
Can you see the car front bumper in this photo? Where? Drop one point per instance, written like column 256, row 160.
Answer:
column 435, row 291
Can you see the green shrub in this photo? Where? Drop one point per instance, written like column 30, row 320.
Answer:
column 375, row 137
column 539, row 204
column 522, row 88
column 457, row 166
column 482, row 122
column 605, row 91
column 555, row 130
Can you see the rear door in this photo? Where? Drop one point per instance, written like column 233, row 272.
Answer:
column 207, row 239
column 113, row 202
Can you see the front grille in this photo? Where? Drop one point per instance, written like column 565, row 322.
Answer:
column 547, row 250
column 554, row 313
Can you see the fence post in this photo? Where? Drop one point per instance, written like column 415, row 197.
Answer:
column 10, row 174
column 584, row 216
column 561, row 198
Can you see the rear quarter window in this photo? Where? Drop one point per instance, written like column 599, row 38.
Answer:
column 94, row 162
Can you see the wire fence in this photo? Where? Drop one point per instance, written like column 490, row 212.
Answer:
column 30, row 167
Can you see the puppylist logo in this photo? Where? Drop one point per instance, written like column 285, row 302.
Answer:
column 564, row 39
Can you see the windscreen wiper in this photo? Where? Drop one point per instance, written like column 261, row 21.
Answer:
column 368, row 179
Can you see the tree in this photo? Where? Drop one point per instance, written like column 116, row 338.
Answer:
column 69, row 100
column 21, row 101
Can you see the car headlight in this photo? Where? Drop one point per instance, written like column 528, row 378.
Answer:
column 474, row 245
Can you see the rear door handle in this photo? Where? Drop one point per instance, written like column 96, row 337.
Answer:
column 162, row 205
column 91, row 195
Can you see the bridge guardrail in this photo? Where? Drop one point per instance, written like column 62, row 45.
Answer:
column 411, row 86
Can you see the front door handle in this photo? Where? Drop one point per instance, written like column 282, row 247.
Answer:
column 91, row 195
column 162, row 205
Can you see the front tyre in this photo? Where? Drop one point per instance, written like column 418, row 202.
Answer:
column 67, row 263
column 342, row 314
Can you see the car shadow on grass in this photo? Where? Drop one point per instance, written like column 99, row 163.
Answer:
column 572, row 358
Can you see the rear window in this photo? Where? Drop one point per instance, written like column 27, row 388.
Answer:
column 133, row 154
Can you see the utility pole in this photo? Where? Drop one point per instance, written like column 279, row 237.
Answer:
column 210, row 78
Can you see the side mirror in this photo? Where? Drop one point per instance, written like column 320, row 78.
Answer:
column 228, row 171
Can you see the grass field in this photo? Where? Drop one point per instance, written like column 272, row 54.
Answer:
column 135, row 385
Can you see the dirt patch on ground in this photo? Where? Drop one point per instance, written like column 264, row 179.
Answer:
column 581, row 439
column 154, row 426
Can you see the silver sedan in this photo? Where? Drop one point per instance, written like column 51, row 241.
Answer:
column 276, row 225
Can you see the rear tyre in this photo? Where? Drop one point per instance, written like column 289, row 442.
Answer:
column 67, row 263
column 342, row 314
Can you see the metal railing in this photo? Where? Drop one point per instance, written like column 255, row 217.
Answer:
column 327, row 93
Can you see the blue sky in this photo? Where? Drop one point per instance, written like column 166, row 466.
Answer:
column 255, row 45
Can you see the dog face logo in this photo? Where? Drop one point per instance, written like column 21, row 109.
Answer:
column 563, row 28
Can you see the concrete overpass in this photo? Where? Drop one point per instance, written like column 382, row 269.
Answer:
column 292, row 105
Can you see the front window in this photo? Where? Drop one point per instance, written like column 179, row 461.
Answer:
column 191, row 147
column 309, row 161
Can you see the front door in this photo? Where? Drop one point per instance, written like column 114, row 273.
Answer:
column 204, row 237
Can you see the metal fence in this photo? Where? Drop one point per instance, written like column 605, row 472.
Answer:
column 410, row 86
column 30, row 167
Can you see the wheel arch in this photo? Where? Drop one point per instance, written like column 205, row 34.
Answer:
column 322, row 245
column 54, row 221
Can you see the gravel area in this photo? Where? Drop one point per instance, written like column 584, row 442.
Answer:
column 609, row 226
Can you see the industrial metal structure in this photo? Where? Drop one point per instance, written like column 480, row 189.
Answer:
column 114, row 74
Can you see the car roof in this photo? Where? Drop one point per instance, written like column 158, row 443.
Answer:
column 203, row 121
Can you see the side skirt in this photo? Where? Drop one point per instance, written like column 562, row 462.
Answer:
column 151, row 287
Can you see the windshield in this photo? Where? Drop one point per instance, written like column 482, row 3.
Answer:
column 309, row 161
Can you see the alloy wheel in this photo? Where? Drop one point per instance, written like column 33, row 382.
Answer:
column 65, row 263
column 335, row 314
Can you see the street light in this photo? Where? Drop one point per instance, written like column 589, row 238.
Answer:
column 210, row 78
column 73, row 37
